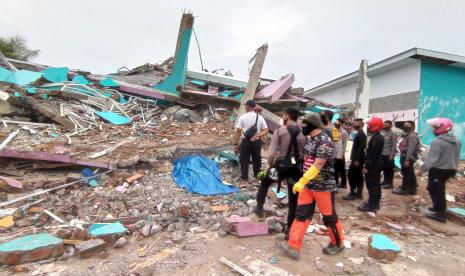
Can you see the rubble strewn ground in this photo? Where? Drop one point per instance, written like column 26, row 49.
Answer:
column 187, row 233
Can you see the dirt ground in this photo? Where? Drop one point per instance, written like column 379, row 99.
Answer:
column 428, row 248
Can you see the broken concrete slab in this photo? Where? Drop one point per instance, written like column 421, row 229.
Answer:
column 382, row 248
column 276, row 89
column 456, row 215
column 108, row 232
column 31, row 248
column 55, row 157
column 87, row 248
column 248, row 229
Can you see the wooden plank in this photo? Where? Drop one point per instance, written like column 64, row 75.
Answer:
column 221, row 208
column 235, row 267
column 254, row 78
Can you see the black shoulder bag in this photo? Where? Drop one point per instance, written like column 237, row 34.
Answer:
column 252, row 130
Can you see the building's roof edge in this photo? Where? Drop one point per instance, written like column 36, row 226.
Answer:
column 413, row 52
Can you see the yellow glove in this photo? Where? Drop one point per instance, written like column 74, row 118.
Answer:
column 262, row 173
column 308, row 175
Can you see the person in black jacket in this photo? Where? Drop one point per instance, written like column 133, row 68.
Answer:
column 373, row 165
column 357, row 157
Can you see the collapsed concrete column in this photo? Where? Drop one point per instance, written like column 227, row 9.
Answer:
column 179, row 72
column 362, row 97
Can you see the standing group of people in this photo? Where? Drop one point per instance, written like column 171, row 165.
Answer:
column 310, row 159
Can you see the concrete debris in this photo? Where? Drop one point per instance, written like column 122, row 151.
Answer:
column 88, row 248
column 31, row 248
column 382, row 248
column 120, row 243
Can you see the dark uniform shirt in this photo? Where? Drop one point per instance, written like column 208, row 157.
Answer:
column 358, row 147
column 320, row 146
column 374, row 158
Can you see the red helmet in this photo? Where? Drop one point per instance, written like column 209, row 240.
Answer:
column 375, row 124
column 440, row 125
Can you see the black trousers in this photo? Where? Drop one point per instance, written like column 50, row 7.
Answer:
column 373, row 182
column 294, row 175
column 340, row 172
column 250, row 149
column 355, row 177
column 437, row 179
column 388, row 170
column 409, row 180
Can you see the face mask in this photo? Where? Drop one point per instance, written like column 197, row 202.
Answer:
column 306, row 129
column 324, row 119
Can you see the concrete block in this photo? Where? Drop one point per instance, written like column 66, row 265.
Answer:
column 382, row 248
column 247, row 229
column 456, row 215
column 229, row 224
column 88, row 248
column 31, row 248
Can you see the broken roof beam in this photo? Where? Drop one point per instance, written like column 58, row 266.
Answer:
column 220, row 80
column 276, row 89
column 55, row 157
column 135, row 89
column 254, row 78
column 200, row 97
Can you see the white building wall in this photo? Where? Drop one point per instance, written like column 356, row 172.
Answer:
column 338, row 96
column 396, row 81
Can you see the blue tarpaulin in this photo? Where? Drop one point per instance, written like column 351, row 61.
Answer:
column 200, row 175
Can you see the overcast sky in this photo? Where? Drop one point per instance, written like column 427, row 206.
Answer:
column 315, row 40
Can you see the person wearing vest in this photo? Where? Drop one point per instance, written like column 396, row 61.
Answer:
column 286, row 146
column 409, row 151
column 389, row 153
column 339, row 155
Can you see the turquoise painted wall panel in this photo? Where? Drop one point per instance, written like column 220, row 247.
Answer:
column 442, row 88
column 179, row 73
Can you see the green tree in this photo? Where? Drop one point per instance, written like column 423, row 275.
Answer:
column 15, row 47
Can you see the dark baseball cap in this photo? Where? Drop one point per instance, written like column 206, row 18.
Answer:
column 251, row 103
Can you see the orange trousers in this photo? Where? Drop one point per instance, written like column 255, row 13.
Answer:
column 306, row 203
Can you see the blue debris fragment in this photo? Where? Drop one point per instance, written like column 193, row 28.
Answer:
column 108, row 82
column 113, row 118
column 115, row 228
column 79, row 79
column 382, row 242
column 88, row 173
column 59, row 74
